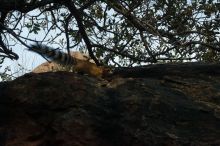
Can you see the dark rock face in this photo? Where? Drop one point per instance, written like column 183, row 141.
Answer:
column 67, row 109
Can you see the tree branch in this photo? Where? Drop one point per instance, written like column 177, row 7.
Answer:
column 14, row 35
column 76, row 14
column 139, row 25
column 10, row 54
column 123, row 54
column 22, row 5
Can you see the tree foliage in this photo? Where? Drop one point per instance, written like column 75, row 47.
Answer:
column 116, row 32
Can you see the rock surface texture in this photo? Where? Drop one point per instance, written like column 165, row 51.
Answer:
column 170, row 105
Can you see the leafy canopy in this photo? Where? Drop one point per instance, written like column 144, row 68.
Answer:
column 116, row 32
